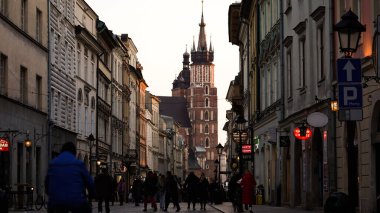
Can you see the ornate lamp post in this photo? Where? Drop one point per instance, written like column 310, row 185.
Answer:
column 240, row 136
column 219, row 149
column 91, row 140
column 349, row 29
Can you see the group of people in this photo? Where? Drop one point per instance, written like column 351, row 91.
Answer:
column 164, row 189
column 241, row 190
column 70, row 187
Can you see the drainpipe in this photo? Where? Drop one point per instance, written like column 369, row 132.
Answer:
column 331, row 149
column 49, row 122
column 282, row 106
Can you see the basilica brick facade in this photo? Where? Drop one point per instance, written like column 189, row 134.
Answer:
column 196, row 83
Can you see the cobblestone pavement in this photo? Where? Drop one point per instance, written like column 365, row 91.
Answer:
column 225, row 207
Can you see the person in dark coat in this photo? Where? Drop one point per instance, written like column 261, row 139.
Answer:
column 191, row 186
column 171, row 188
column 150, row 190
column 121, row 190
column 66, row 183
column 248, row 185
column 234, row 192
column 203, row 187
column 104, row 189
column 137, row 190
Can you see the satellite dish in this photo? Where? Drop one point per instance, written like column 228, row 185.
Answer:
column 317, row 119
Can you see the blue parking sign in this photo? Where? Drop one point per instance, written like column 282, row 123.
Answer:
column 350, row 96
column 349, row 70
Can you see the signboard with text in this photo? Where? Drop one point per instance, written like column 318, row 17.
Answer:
column 350, row 89
column 4, row 145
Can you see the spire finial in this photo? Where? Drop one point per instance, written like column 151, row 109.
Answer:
column 202, row 7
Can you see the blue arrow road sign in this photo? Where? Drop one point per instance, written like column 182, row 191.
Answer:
column 350, row 96
column 349, row 70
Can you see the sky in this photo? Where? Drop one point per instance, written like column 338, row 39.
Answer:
column 163, row 29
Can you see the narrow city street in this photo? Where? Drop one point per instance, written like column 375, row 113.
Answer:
column 225, row 207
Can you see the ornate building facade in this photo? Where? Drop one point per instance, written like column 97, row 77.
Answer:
column 196, row 83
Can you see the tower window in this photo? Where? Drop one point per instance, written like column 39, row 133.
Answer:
column 206, row 103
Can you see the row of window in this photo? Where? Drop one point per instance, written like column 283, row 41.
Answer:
column 24, row 91
column 203, row 115
column 24, row 14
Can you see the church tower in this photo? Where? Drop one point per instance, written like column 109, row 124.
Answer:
column 202, row 100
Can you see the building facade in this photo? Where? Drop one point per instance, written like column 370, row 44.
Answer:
column 87, row 52
column 23, row 92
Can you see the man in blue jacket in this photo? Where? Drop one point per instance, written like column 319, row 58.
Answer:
column 66, row 182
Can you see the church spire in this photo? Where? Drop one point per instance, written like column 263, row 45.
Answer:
column 202, row 44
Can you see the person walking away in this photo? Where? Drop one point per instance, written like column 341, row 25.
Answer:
column 104, row 189
column 114, row 190
column 248, row 185
column 171, row 188
column 191, row 186
column 121, row 190
column 161, row 191
column 66, row 183
column 203, row 187
column 234, row 192
column 150, row 190
column 137, row 190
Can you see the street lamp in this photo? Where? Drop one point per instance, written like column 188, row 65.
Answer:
column 349, row 29
column 219, row 149
column 240, row 136
column 91, row 140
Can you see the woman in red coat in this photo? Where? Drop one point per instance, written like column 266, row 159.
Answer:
column 248, row 185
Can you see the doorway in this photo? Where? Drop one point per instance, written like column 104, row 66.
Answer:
column 317, row 168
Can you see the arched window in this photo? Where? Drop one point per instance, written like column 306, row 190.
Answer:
column 207, row 142
column 206, row 128
column 80, row 96
column 92, row 102
column 206, row 116
column 206, row 90
column 206, row 103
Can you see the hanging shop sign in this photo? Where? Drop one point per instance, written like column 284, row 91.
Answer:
column 246, row 149
column 4, row 145
column 302, row 133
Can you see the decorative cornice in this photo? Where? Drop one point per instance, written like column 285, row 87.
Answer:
column 318, row 13
column 288, row 41
column 300, row 28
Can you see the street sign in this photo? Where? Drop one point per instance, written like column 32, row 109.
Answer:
column 350, row 96
column 349, row 70
column 350, row 114
column 350, row 89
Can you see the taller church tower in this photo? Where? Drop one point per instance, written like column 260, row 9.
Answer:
column 196, row 84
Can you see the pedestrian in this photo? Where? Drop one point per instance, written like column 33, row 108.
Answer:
column 248, row 185
column 191, row 187
column 234, row 191
column 171, row 188
column 114, row 190
column 213, row 190
column 104, row 189
column 150, row 190
column 67, row 182
column 3, row 199
column 203, row 187
column 121, row 190
column 161, row 191
column 137, row 190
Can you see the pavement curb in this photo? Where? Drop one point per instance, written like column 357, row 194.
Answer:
column 216, row 208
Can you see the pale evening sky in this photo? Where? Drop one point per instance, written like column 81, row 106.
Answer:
column 161, row 29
